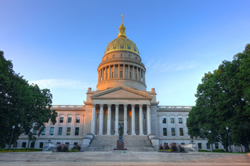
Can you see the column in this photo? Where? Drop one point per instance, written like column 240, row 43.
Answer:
column 101, row 120
column 116, row 118
column 109, row 120
column 118, row 74
column 133, row 72
column 125, row 120
column 141, row 119
column 128, row 71
column 93, row 120
column 137, row 73
column 133, row 119
column 109, row 71
column 123, row 70
column 149, row 119
column 106, row 77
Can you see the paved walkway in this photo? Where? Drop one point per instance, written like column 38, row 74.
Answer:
column 122, row 158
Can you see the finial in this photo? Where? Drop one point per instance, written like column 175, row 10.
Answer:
column 122, row 29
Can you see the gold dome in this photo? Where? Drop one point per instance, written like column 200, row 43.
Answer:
column 121, row 43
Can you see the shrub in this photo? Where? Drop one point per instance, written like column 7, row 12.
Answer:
column 166, row 147
column 181, row 149
column 65, row 148
column 160, row 147
column 59, row 148
column 173, row 147
column 76, row 147
column 219, row 150
column 204, row 150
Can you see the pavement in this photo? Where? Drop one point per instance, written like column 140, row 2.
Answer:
column 126, row 158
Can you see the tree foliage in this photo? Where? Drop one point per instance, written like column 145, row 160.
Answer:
column 22, row 105
column 223, row 101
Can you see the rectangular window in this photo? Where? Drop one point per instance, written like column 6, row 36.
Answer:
column 182, row 143
column 69, row 119
column 68, row 130
column 164, row 120
column 172, row 120
column 32, row 145
column 77, row 131
column 181, row 131
column 43, row 132
column 130, row 74
column 60, row 130
column 75, row 143
column 41, row 145
column 51, row 130
column 173, row 131
column 216, row 146
column 23, row 144
column 199, row 146
column 165, row 132
column 121, row 74
column 180, row 120
column 208, row 145
column 67, row 143
column 77, row 119
column 58, row 143
column 61, row 119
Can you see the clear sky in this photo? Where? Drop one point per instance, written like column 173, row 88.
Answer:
column 59, row 44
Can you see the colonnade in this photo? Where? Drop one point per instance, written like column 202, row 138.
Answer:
column 93, row 123
column 126, row 71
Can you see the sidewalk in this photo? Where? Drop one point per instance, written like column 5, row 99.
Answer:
column 122, row 158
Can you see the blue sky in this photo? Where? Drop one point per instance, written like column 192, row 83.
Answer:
column 59, row 44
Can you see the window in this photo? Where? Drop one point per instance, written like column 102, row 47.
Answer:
column 32, row 145
column 75, row 143
column 216, row 146
column 121, row 55
column 61, row 119
column 77, row 119
column 113, row 56
column 69, row 119
column 208, row 145
column 43, row 132
column 58, row 143
column 67, row 143
column 199, row 146
column 164, row 120
column 60, row 131
column 172, row 120
column 181, row 131
column 41, row 145
column 180, row 120
column 68, row 130
column 165, row 132
column 51, row 130
column 77, row 131
column 23, row 144
column 135, row 74
column 130, row 74
column 182, row 143
column 173, row 131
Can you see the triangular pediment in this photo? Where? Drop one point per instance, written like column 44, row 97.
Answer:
column 121, row 93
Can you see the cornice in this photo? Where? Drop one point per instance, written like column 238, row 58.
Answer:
column 117, row 79
column 122, row 60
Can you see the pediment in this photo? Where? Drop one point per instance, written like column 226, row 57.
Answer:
column 122, row 93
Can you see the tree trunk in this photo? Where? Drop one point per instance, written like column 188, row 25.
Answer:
column 28, row 145
column 246, row 147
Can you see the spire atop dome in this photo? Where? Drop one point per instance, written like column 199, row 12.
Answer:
column 122, row 29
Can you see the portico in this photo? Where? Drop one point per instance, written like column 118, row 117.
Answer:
column 130, row 107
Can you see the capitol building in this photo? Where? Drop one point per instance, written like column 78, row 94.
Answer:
column 121, row 97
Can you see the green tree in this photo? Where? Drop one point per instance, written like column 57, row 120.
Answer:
column 23, row 105
column 223, row 101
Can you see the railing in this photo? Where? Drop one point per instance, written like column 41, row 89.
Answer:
column 68, row 106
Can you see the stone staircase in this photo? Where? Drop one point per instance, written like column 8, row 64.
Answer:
column 132, row 143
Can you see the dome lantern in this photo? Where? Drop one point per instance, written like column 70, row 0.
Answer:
column 122, row 29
